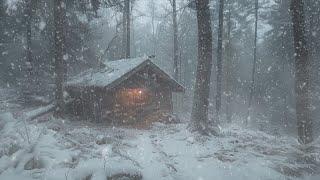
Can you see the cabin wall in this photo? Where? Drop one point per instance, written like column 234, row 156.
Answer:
column 103, row 106
column 160, row 99
column 163, row 99
column 90, row 103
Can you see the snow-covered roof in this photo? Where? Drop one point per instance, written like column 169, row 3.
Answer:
column 116, row 72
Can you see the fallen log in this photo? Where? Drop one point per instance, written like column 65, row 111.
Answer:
column 31, row 115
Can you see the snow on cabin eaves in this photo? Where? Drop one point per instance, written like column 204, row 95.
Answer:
column 107, row 75
column 115, row 72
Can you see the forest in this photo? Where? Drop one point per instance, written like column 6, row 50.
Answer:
column 159, row 89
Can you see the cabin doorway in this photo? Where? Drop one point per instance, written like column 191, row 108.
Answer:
column 131, row 103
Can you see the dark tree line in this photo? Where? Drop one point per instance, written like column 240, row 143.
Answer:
column 199, row 118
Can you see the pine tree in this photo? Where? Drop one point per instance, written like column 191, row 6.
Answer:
column 59, row 50
column 219, row 60
column 29, row 61
column 228, row 69
column 252, row 88
column 175, row 40
column 199, row 116
column 126, row 29
column 302, row 76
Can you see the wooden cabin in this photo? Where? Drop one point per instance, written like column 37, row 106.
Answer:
column 122, row 91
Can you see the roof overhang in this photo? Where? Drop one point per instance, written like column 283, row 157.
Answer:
column 174, row 85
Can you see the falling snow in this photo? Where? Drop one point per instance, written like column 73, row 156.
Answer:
column 148, row 89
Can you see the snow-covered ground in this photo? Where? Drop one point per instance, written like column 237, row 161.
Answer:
column 49, row 148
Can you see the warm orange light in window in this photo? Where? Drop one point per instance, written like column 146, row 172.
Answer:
column 132, row 97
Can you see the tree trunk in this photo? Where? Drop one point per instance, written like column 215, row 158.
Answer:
column 59, row 49
column 254, row 62
column 199, row 115
column 302, row 76
column 176, row 58
column 229, row 58
column 127, row 6
column 126, row 29
column 29, row 62
column 219, row 60
column 124, row 32
column 175, row 41
column 2, row 19
column 133, row 51
column 2, row 13
column 153, row 27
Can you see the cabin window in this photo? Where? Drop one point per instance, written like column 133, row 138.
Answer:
column 133, row 97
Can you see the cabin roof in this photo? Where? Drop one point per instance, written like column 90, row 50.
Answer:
column 118, row 71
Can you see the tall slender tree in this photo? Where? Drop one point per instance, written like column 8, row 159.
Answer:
column 199, row 115
column 302, row 73
column 219, row 60
column 228, row 59
column 153, row 14
column 252, row 87
column 128, row 23
column 59, row 50
column 175, row 40
column 29, row 62
column 126, row 29
column 2, row 21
